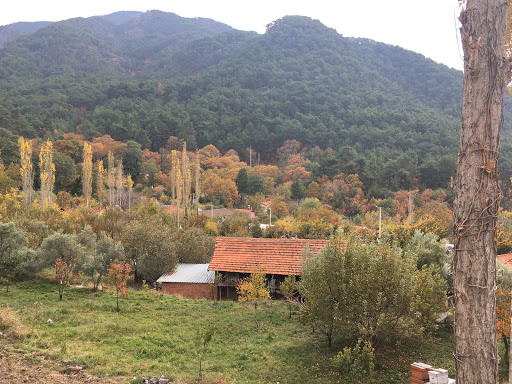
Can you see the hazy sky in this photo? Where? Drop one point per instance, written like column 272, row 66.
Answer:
column 427, row 27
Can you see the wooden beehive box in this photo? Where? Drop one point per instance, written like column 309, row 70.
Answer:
column 419, row 371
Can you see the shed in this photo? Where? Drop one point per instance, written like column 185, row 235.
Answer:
column 236, row 257
column 190, row 281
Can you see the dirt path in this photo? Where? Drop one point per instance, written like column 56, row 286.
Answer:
column 21, row 367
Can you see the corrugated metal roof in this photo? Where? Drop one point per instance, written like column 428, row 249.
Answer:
column 189, row 273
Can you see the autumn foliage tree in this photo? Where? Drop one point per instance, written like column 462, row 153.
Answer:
column 47, row 172
column 118, row 276
column 26, row 170
column 289, row 288
column 253, row 290
column 129, row 185
column 65, row 271
column 111, row 179
column 87, row 173
column 100, row 183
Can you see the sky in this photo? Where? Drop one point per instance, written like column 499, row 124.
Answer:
column 426, row 27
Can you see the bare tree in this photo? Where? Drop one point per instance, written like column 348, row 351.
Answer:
column 476, row 191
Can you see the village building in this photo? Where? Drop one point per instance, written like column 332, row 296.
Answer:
column 506, row 259
column 219, row 212
column 248, row 212
column 190, row 281
column 225, row 212
column 235, row 258
column 265, row 206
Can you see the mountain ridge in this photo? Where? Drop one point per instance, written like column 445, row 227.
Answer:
column 159, row 75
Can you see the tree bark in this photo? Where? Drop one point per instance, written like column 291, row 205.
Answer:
column 506, row 339
column 256, row 317
column 476, row 190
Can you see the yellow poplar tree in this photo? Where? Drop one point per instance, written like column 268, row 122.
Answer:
column 173, row 173
column 197, row 175
column 87, row 173
column 129, row 184
column 179, row 182
column 188, row 187
column 111, row 179
column 119, row 182
column 185, row 175
column 100, row 182
column 26, row 169
column 47, row 169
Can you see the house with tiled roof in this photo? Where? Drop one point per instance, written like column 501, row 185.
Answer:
column 506, row 259
column 248, row 212
column 235, row 258
column 219, row 212
column 266, row 205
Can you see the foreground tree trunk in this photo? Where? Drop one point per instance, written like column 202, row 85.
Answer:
column 476, row 191
column 256, row 316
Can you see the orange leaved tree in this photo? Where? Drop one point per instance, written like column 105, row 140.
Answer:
column 118, row 275
column 65, row 270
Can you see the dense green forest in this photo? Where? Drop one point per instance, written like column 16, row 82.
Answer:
column 388, row 114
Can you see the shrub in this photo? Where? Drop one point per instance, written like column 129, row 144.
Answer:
column 368, row 291
column 356, row 365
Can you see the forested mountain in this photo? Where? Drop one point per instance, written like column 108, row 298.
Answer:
column 15, row 30
column 388, row 114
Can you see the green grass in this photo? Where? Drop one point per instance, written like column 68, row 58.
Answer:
column 153, row 335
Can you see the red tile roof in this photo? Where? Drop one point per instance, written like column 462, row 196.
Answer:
column 271, row 256
column 251, row 213
column 506, row 258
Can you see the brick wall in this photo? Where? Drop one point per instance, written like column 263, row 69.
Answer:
column 190, row 290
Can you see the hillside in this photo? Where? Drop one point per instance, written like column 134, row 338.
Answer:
column 15, row 30
column 388, row 114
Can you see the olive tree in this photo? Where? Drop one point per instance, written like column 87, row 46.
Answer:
column 99, row 253
column 15, row 255
column 368, row 291
column 58, row 246
column 150, row 245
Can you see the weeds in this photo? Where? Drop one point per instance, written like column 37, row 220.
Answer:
column 154, row 335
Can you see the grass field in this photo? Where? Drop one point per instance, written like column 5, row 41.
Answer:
column 153, row 335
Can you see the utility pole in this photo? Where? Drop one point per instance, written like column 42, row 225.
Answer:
column 270, row 216
column 250, row 155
